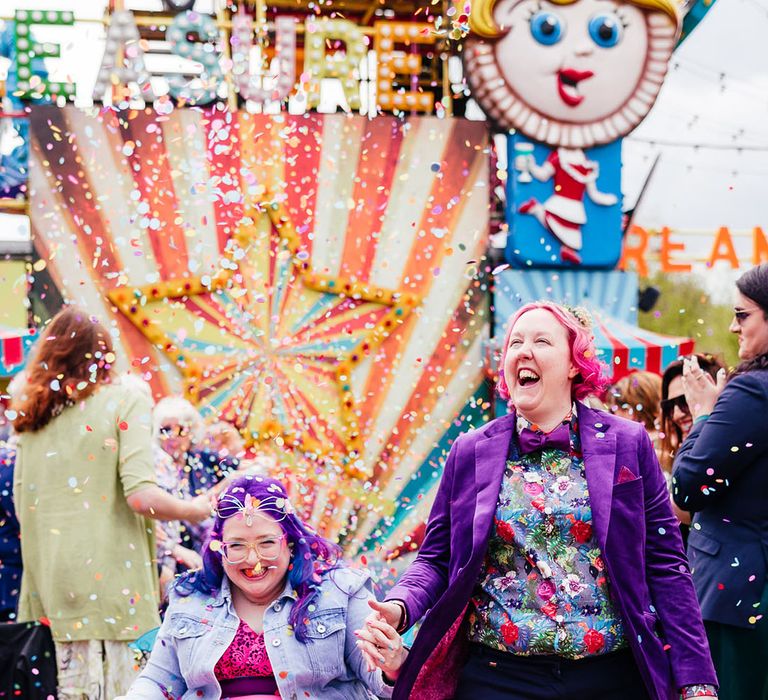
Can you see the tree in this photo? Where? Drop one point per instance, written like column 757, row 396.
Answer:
column 686, row 309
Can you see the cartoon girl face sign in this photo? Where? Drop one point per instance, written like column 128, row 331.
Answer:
column 570, row 73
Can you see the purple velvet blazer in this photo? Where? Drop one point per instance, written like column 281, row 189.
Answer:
column 634, row 525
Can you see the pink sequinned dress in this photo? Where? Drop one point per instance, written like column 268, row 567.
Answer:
column 244, row 669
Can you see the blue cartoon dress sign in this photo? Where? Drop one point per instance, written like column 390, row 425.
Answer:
column 567, row 79
column 557, row 195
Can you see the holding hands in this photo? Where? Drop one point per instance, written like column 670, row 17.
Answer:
column 701, row 391
column 381, row 645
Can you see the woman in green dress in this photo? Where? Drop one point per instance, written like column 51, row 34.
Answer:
column 84, row 488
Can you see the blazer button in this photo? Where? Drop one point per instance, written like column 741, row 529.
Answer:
column 321, row 628
column 277, row 607
column 275, row 642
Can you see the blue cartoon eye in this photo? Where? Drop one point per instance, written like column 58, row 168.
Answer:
column 546, row 27
column 605, row 29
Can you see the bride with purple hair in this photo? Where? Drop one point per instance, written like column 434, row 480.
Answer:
column 272, row 612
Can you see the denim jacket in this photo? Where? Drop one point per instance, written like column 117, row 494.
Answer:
column 198, row 629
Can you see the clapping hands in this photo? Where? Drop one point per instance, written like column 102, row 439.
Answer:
column 701, row 391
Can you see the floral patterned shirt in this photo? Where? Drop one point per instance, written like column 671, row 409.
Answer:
column 544, row 588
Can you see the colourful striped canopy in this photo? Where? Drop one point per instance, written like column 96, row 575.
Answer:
column 626, row 347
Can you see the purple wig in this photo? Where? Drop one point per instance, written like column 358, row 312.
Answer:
column 311, row 557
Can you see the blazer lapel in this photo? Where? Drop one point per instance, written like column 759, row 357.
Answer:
column 598, row 445
column 490, row 461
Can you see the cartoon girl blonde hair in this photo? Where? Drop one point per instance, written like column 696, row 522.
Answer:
column 482, row 23
column 513, row 101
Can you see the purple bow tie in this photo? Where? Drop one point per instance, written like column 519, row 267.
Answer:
column 558, row 439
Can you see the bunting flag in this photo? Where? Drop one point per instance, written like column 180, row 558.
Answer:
column 15, row 346
column 313, row 279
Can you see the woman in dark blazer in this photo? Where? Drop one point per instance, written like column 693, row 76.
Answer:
column 552, row 565
column 721, row 475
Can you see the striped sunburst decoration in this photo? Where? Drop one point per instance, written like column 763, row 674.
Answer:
column 163, row 213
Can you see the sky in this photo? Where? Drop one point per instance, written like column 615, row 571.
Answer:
column 709, row 126
column 716, row 93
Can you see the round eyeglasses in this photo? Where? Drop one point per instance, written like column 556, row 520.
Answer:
column 268, row 548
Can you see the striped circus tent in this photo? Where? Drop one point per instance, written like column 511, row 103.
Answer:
column 312, row 278
column 610, row 297
column 625, row 347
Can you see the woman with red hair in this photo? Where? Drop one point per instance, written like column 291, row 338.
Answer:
column 552, row 565
column 84, row 488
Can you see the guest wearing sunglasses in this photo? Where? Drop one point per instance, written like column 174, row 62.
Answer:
column 721, row 475
column 271, row 613
column 676, row 421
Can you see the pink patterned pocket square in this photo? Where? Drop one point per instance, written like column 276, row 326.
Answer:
column 625, row 475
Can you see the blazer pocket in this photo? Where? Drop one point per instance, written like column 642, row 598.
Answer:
column 627, row 487
column 704, row 543
column 652, row 621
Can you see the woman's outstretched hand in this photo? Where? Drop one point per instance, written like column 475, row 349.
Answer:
column 381, row 645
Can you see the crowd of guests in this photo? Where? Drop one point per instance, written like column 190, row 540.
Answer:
column 554, row 561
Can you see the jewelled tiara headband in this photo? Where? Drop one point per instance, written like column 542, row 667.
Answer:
column 580, row 314
column 276, row 506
